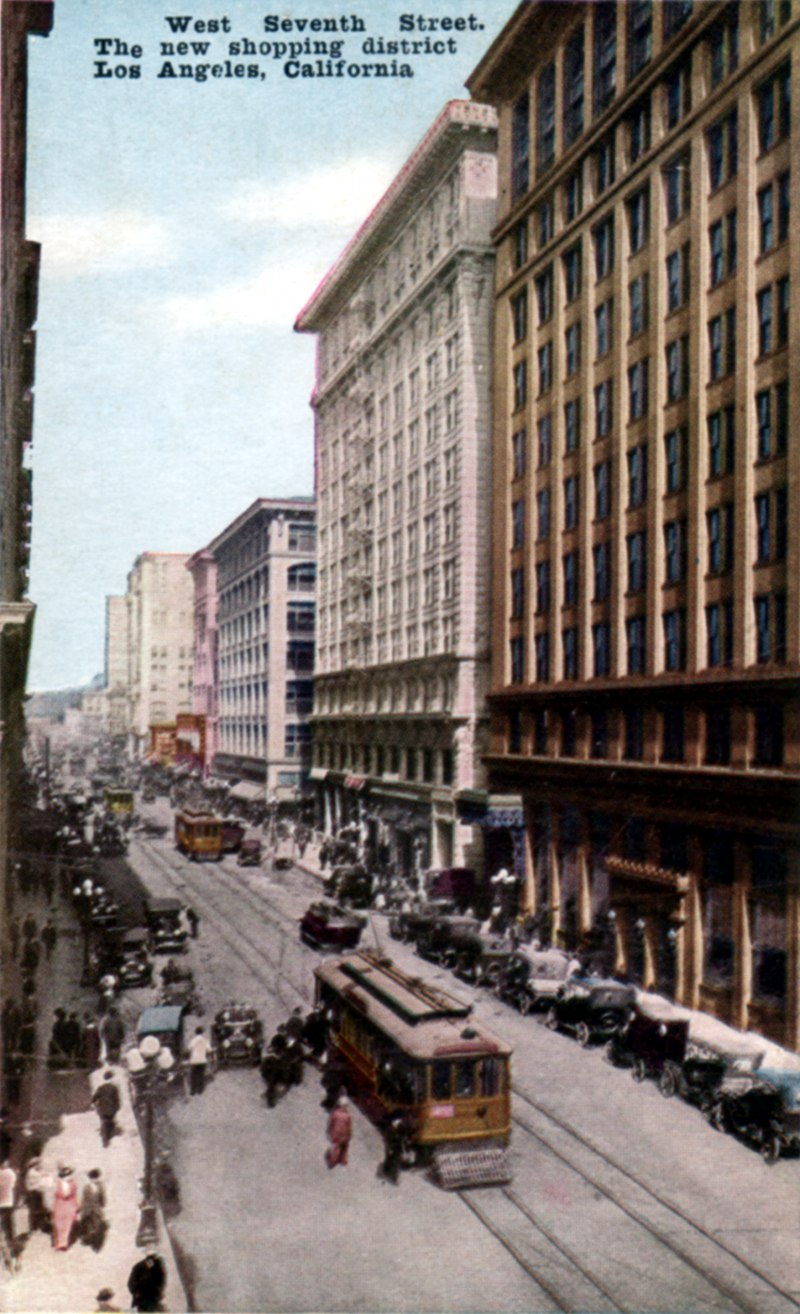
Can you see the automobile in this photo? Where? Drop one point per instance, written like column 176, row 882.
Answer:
column 761, row 1107
column 440, row 939
column 250, row 853
column 592, row 1007
column 165, row 1022
column 134, row 966
column 351, row 885
column 647, row 1043
column 533, row 977
column 232, row 834
column 407, row 924
column 237, row 1035
column 480, row 956
column 163, row 920
column 329, row 925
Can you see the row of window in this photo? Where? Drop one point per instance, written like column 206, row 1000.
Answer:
column 430, row 765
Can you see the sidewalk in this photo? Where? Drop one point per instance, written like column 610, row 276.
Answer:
column 51, row 1280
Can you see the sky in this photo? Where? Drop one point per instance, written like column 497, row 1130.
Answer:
column 184, row 223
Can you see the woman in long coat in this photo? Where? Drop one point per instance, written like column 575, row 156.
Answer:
column 93, row 1219
column 65, row 1208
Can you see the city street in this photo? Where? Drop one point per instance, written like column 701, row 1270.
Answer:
column 620, row 1200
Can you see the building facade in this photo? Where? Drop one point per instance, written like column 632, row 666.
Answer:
column 266, row 576
column 402, row 420
column 203, row 569
column 160, row 607
column 116, row 666
column 646, row 579
column 19, row 284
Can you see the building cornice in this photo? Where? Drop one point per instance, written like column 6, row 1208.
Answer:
column 269, row 506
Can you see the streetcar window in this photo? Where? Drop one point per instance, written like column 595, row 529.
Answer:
column 490, row 1077
column 465, row 1077
column 440, row 1081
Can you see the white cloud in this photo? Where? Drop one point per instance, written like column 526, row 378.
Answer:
column 334, row 196
column 115, row 241
column 272, row 298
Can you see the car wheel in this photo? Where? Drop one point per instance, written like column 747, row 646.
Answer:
column 525, row 1004
column 583, row 1034
column 771, row 1149
column 639, row 1070
column 551, row 1020
column 668, row 1083
column 610, row 1053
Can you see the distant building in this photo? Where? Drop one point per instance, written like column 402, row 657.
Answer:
column 646, row 585
column 160, row 608
column 19, row 284
column 266, row 574
column 117, row 674
column 403, row 471
column 203, row 569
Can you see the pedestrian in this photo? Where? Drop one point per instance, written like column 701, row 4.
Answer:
column 58, row 1050
column 193, row 920
column 37, row 1183
column 107, row 1101
column 94, row 1224
column 73, row 1037
column 394, row 1136
column 340, row 1131
column 11, row 1023
column 29, row 927
column 334, row 1078
column 8, row 1188
column 48, row 938
column 65, row 1208
column 30, row 957
column 199, row 1050
column 13, row 931
column 146, row 1282
column 113, row 1033
column 104, row 1298
column 92, row 1043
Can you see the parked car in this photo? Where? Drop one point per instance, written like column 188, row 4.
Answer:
column 646, row 1044
column 250, row 853
column 134, row 966
column 232, row 834
column 408, row 924
column 166, row 1024
column 163, row 921
column 592, row 1007
column 328, row 925
column 761, row 1107
column 481, row 956
column 532, row 977
column 351, row 885
column 237, row 1035
column 439, row 940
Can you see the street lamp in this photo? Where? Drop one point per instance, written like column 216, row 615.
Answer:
column 147, row 1064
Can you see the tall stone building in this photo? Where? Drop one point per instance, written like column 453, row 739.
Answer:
column 160, row 608
column 266, row 574
column 203, row 569
column 402, row 420
column 19, row 284
column 117, row 656
column 646, row 583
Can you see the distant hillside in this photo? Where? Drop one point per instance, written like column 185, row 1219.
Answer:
column 54, row 703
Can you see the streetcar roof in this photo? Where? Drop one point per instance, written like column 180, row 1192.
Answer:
column 424, row 1021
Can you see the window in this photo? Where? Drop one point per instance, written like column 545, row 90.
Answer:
column 722, row 344
column 637, row 561
column 545, row 435
column 719, row 524
column 677, row 354
column 678, row 92
column 517, row 593
column 638, row 130
column 636, row 644
column 772, row 434
column 519, row 315
column 722, row 143
column 601, row 648
column 605, row 53
column 572, row 348
column 601, row 570
column 543, row 513
column 722, row 247
column 546, row 117
column 520, row 147
column 678, row 277
column 603, row 237
column 676, row 447
column 517, row 523
column 672, row 734
column 675, row 551
column 542, row 663
column 674, row 639
column 640, row 34
column 637, row 476
column 782, row 312
column 638, row 207
column 573, row 89
column 637, row 389
column 605, row 168
column 572, row 424
column 572, row 272
column 770, row 641
column 781, row 416
column 573, row 196
column 519, row 244
column 544, row 295
column 545, row 221
column 544, row 357
column 602, row 490
column 603, row 406
column 542, row 587
column 520, row 384
column 772, row 15
column 782, row 185
column 570, row 567
column 723, row 45
column 604, row 326
column 773, row 105
column 519, row 444
column 677, row 188
column 571, row 495
column 763, row 529
column 676, row 13
column 569, row 642
column 766, row 220
column 764, row 312
column 517, row 661
column 721, row 441
column 638, row 305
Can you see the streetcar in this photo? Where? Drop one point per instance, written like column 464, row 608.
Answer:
column 412, row 1050
column 119, row 802
column 198, row 835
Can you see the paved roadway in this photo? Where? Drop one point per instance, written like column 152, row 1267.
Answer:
column 621, row 1200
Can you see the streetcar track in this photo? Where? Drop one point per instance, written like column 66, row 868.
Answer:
column 508, row 1245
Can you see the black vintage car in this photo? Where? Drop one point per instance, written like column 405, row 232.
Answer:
column 134, row 966
column 481, row 956
column 163, row 920
column 534, row 977
column 237, row 1035
column 647, row 1045
column 326, row 925
column 439, row 941
column 592, row 1007
column 408, row 924
column 760, row 1107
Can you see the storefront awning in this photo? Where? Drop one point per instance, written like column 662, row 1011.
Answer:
column 318, row 773
column 247, row 791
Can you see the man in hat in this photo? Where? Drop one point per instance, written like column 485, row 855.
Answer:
column 199, row 1051
column 113, row 1033
column 340, row 1131
column 8, row 1187
column 146, row 1282
column 104, row 1298
column 107, row 1102
column 37, row 1183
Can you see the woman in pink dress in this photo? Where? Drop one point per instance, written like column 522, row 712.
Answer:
column 65, row 1208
